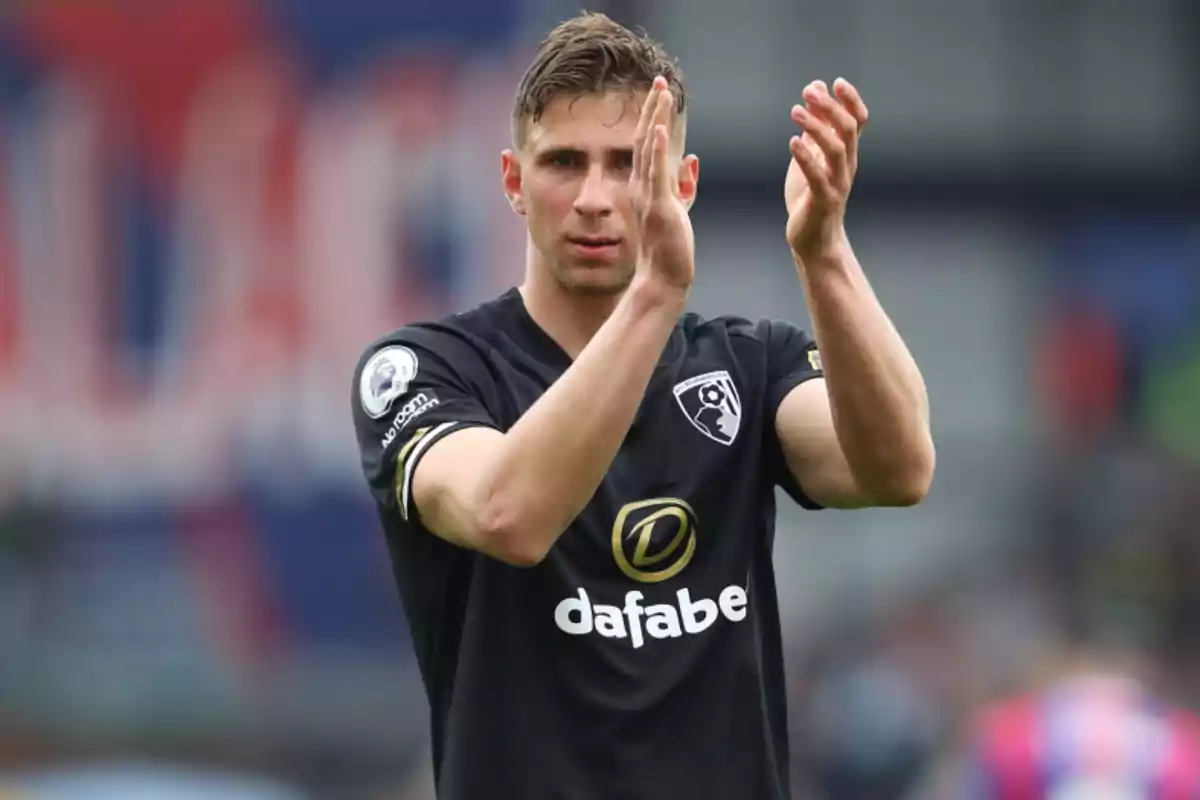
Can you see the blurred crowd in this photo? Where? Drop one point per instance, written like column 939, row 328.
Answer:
column 1103, row 583
column 207, row 207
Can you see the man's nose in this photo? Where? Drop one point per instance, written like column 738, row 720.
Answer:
column 595, row 194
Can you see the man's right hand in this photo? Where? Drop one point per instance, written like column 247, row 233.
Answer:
column 510, row 495
column 666, row 243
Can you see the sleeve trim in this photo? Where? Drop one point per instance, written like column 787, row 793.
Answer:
column 787, row 383
column 411, row 454
column 788, row 481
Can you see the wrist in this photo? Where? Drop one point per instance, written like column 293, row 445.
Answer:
column 650, row 296
column 832, row 254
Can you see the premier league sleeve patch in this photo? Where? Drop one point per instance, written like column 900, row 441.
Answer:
column 417, row 374
column 384, row 378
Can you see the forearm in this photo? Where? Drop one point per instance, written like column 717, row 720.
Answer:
column 876, row 392
column 554, row 458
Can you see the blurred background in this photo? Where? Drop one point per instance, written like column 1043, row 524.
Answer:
column 209, row 207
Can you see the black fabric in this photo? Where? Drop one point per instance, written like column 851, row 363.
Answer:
column 642, row 658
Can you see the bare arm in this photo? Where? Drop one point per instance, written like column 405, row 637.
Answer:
column 512, row 494
column 860, row 437
column 866, row 439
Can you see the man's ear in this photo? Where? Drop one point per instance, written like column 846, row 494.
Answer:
column 688, row 180
column 510, row 170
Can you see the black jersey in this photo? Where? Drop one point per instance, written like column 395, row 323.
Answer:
column 642, row 657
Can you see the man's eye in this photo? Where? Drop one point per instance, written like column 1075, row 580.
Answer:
column 565, row 160
column 624, row 161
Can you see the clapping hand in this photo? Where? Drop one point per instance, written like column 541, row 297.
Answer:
column 822, row 168
column 666, row 242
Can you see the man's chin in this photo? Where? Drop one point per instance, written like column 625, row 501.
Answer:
column 595, row 280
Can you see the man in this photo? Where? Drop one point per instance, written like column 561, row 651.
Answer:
column 1091, row 735
column 577, row 478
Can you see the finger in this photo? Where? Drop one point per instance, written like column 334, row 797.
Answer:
column 814, row 171
column 647, row 161
column 647, row 113
column 639, row 135
column 660, row 171
column 660, row 97
column 659, row 130
column 826, row 138
column 662, row 111
column 830, row 109
column 852, row 100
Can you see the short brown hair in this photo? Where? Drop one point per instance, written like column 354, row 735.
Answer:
column 592, row 54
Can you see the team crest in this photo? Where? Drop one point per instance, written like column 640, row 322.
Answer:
column 384, row 378
column 710, row 401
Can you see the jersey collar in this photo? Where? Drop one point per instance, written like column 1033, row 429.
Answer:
column 534, row 339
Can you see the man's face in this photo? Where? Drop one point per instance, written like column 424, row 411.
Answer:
column 571, row 182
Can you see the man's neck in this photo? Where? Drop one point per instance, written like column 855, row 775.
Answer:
column 571, row 319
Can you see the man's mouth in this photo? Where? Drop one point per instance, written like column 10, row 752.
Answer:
column 594, row 241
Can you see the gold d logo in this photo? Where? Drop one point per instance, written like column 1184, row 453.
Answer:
column 657, row 533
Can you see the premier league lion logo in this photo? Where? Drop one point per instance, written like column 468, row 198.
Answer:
column 385, row 377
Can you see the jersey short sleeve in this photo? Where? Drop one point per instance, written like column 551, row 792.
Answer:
column 410, row 390
column 792, row 359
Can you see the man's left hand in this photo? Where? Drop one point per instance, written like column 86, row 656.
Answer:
column 821, row 172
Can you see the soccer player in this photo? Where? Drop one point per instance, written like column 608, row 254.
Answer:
column 577, row 478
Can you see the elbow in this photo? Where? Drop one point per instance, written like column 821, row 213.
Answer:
column 506, row 536
column 519, row 554
column 902, row 495
column 907, row 483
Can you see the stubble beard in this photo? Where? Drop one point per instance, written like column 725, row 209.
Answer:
column 615, row 281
